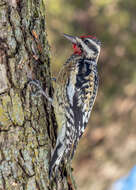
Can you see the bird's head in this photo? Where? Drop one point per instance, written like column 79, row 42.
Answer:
column 87, row 46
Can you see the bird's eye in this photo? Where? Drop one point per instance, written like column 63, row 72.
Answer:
column 86, row 42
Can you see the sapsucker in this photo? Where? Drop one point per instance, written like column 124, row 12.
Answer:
column 74, row 97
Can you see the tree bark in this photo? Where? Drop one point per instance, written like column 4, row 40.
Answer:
column 27, row 122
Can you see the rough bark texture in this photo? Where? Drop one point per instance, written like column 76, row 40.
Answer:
column 27, row 122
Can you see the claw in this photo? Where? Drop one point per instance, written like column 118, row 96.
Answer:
column 40, row 91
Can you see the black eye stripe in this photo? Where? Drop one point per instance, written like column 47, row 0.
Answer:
column 91, row 46
column 87, row 42
column 95, row 40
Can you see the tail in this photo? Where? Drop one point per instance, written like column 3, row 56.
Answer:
column 56, row 159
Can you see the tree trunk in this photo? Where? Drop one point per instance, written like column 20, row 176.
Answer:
column 27, row 122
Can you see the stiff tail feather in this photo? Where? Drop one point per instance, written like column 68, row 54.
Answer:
column 56, row 159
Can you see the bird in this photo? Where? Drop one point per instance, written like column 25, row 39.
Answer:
column 75, row 92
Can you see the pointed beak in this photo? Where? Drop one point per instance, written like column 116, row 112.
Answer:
column 71, row 38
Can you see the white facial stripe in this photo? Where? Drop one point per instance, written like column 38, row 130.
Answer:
column 94, row 43
column 97, row 46
column 89, row 52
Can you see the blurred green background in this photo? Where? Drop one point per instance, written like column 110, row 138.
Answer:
column 108, row 147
